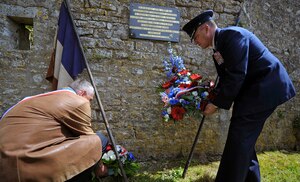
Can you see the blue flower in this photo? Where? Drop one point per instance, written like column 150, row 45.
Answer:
column 204, row 94
column 198, row 105
column 173, row 101
column 164, row 112
column 173, row 92
column 184, row 102
column 185, row 79
column 130, row 156
column 178, row 81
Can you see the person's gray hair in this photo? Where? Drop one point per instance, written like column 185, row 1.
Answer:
column 82, row 84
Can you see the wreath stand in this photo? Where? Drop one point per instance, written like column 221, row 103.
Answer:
column 193, row 148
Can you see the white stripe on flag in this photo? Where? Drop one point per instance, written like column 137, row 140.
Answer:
column 62, row 75
column 64, row 78
column 58, row 55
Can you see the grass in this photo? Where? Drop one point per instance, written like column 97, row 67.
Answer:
column 279, row 166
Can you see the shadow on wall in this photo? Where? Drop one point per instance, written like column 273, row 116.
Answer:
column 296, row 128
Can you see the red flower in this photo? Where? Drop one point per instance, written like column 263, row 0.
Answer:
column 177, row 112
column 193, row 84
column 167, row 85
column 108, row 147
column 174, row 78
column 195, row 77
column 184, row 85
column 183, row 72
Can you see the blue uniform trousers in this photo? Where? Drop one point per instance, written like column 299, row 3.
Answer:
column 239, row 161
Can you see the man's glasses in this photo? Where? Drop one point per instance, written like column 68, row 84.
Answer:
column 196, row 34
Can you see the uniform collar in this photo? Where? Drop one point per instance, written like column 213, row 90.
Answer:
column 215, row 41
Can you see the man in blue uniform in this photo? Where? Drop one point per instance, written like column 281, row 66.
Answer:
column 252, row 78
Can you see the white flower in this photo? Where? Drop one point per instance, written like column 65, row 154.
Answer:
column 166, row 118
column 111, row 155
column 169, row 110
column 105, row 157
column 195, row 93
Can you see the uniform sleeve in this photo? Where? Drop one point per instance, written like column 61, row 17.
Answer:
column 78, row 119
column 235, row 55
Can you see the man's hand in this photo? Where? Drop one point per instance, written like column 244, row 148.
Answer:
column 101, row 170
column 210, row 109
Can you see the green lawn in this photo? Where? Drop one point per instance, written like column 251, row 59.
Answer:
column 275, row 167
column 280, row 166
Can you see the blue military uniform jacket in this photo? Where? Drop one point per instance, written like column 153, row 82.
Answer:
column 250, row 76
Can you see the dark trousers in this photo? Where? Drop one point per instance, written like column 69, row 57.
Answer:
column 239, row 161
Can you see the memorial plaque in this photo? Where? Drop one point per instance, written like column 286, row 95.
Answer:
column 154, row 22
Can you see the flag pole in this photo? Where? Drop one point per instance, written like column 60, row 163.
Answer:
column 98, row 97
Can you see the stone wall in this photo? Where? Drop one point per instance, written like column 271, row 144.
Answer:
column 127, row 71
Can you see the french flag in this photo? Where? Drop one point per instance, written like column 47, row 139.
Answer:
column 67, row 59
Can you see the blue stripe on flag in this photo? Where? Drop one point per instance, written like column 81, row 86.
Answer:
column 72, row 57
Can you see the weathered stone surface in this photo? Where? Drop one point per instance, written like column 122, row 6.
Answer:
column 127, row 72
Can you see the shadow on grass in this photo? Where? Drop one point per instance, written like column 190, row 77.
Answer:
column 205, row 178
column 273, row 163
column 166, row 171
column 147, row 178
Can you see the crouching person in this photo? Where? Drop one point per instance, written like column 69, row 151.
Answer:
column 48, row 137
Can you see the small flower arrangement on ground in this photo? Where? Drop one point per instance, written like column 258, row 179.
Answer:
column 109, row 159
column 184, row 91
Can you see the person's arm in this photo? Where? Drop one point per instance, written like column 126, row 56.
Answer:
column 77, row 118
column 235, row 54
